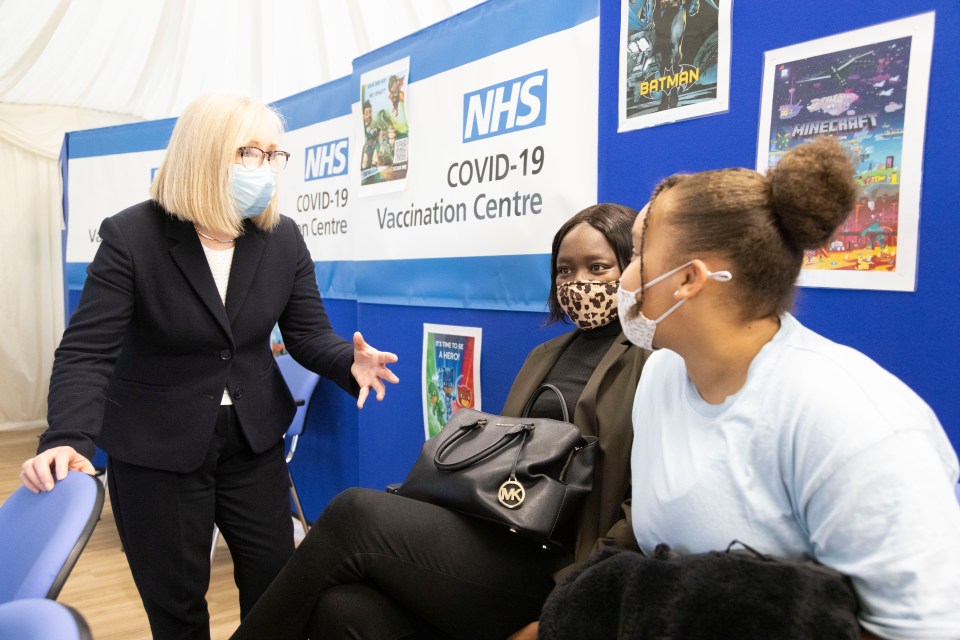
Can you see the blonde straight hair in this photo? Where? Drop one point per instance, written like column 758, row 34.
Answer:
column 193, row 181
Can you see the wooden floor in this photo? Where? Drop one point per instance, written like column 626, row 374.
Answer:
column 100, row 586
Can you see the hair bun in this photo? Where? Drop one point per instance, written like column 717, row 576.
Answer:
column 812, row 191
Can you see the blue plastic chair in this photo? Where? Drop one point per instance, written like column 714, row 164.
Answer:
column 41, row 619
column 301, row 383
column 42, row 535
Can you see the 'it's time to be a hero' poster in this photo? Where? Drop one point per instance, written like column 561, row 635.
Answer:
column 451, row 373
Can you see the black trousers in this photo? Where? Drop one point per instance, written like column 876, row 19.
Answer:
column 166, row 519
column 378, row 566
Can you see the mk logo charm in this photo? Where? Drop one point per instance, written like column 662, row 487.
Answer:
column 511, row 493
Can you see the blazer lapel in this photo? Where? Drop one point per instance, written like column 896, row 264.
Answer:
column 188, row 255
column 246, row 260
column 586, row 410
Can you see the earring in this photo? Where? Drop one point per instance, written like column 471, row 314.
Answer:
column 676, row 293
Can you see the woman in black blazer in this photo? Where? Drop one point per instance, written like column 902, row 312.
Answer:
column 167, row 365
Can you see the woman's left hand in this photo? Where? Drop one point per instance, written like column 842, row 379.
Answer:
column 369, row 369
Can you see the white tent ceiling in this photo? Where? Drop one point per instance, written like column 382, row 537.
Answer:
column 67, row 65
column 149, row 58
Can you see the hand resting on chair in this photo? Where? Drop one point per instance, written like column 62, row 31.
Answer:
column 36, row 475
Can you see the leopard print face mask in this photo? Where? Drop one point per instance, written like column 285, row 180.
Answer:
column 589, row 304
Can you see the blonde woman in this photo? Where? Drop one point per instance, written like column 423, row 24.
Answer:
column 166, row 364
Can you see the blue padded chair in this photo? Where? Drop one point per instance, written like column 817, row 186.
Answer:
column 301, row 383
column 41, row 619
column 42, row 535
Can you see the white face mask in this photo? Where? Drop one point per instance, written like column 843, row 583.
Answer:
column 638, row 328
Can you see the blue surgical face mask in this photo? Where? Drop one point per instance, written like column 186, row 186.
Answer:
column 252, row 189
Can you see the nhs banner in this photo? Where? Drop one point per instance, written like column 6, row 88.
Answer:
column 497, row 137
column 445, row 160
column 105, row 171
column 315, row 188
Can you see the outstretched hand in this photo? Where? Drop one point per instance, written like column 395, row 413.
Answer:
column 369, row 369
column 35, row 473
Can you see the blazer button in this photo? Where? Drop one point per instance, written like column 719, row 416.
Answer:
column 238, row 394
column 225, row 354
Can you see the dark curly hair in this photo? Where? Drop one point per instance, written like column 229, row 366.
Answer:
column 615, row 222
column 761, row 224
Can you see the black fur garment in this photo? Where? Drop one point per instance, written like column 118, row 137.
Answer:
column 738, row 595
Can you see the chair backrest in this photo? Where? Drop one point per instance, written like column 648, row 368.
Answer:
column 41, row 619
column 42, row 535
column 301, row 382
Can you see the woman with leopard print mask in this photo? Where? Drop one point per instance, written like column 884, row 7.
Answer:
column 376, row 565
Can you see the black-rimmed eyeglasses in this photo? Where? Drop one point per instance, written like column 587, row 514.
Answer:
column 252, row 158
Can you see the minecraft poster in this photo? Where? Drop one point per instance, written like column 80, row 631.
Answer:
column 451, row 373
column 867, row 89
column 674, row 61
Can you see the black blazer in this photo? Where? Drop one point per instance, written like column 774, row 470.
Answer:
column 142, row 366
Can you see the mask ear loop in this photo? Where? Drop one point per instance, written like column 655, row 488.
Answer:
column 720, row 276
column 669, row 311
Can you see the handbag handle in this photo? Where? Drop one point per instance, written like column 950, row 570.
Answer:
column 539, row 391
column 504, row 440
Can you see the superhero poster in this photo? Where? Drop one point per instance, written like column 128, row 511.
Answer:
column 384, row 134
column 674, row 61
column 451, row 373
column 867, row 89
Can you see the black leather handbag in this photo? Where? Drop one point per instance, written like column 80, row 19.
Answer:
column 528, row 474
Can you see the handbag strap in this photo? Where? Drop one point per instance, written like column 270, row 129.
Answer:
column 508, row 436
column 761, row 556
column 546, row 386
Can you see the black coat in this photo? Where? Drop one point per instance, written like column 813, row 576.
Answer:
column 150, row 348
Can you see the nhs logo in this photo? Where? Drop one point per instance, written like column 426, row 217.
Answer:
column 510, row 106
column 326, row 160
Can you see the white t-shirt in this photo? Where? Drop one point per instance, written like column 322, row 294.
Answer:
column 821, row 454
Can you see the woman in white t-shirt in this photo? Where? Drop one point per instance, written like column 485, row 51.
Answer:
column 749, row 426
